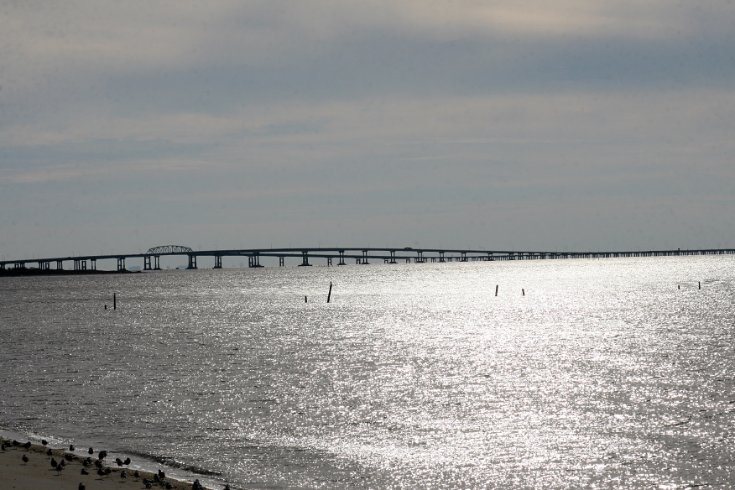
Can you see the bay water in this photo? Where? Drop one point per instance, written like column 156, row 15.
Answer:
column 612, row 373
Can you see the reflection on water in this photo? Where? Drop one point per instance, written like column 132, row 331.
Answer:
column 604, row 373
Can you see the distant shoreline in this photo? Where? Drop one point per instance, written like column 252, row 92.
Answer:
column 55, row 272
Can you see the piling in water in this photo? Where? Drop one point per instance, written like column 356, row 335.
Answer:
column 523, row 291
column 114, row 301
column 496, row 289
column 329, row 296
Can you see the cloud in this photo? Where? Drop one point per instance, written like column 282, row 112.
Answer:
column 343, row 110
column 50, row 44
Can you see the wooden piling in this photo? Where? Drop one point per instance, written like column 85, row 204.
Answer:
column 496, row 289
column 523, row 291
column 699, row 283
column 114, row 301
column 306, row 299
column 329, row 296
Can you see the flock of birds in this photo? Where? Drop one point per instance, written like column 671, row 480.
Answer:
column 159, row 479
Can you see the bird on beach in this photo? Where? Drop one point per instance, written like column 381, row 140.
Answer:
column 126, row 462
column 84, row 471
column 54, row 464
column 197, row 485
column 90, row 451
column 118, row 462
column 44, row 442
column 27, row 445
column 71, row 447
column 102, row 455
column 25, row 458
column 81, row 486
column 49, row 453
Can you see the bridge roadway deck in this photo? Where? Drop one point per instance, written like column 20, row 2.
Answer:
column 359, row 254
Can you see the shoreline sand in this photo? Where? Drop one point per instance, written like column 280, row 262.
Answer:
column 38, row 474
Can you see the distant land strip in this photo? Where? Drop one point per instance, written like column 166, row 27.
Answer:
column 87, row 264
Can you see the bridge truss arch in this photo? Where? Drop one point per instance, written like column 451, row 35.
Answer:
column 169, row 249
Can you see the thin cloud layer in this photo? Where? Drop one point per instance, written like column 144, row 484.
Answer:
column 394, row 121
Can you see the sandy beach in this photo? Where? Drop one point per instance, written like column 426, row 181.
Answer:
column 37, row 472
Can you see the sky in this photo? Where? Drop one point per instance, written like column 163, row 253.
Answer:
column 523, row 124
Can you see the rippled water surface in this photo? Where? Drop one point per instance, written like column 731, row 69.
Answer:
column 609, row 373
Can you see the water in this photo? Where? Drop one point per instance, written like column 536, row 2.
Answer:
column 604, row 374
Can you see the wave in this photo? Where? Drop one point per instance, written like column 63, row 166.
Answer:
column 172, row 462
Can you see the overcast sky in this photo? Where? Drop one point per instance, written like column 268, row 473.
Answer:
column 460, row 123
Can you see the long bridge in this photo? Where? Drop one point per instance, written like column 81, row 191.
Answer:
column 341, row 255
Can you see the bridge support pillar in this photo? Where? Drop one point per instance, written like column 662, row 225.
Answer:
column 464, row 257
column 392, row 257
column 2, row 266
column 281, row 261
column 365, row 257
column 341, row 257
column 120, row 264
column 441, row 257
column 44, row 265
column 419, row 256
column 192, row 261
column 329, row 261
column 20, row 265
column 217, row 261
column 146, row 262
column 304, row 259
column 254, row 260
column 93, row 264
column 157, row 262
column 59, row 265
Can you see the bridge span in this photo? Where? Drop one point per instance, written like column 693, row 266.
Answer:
column 331, row 256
